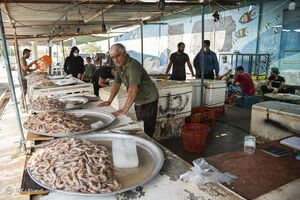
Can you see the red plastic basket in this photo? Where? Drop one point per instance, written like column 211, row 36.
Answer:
column 194, row 137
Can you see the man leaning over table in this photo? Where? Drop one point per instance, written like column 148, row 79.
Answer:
column 141, row 89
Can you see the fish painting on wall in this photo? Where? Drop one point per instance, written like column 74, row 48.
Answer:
column 241, row 33
column 248, row 17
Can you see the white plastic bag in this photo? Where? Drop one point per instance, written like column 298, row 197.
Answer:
column 203, row 173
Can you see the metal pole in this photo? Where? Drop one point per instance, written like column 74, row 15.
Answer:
column 202, row 59
column 142, row 45
column 11, row 82
column 108, row 42
column 50, row 54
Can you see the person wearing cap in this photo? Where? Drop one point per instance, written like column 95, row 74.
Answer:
column 141, row 89
column 246, row 84
column 225, row 69
column 74, row 64
column 25, row 67
column 100, row 78
column 178, row 60
column 211, row 63
column 275, row 84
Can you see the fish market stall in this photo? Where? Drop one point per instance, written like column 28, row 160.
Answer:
column 174, row 105
column 41, row 85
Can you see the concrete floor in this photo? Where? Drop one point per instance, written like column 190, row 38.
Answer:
column 226, row 135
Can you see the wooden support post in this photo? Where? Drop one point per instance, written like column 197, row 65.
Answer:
column 50, row 54
column 268, row 65
column 250, row 64
column 258, row 65
column 242, row 62
column 236, row 61
column 20, row 74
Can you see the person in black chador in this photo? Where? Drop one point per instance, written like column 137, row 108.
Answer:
column 74, row 64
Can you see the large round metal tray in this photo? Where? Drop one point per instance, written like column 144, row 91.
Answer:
column 150, row 156
column 58, row 82
column 86, row 115
column 72, row 103
column 283, row 97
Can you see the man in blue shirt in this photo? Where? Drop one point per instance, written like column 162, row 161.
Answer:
column 210, row 62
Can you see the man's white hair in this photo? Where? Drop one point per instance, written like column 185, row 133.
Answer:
column 117, row 47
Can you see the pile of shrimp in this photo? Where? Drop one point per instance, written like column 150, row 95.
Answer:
column 55, row 122
column 39, row 79
column 47, row 104
column 42, row 83
column 76, row 165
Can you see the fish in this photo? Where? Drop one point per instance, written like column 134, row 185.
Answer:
column 276, row 29
column 241, row 33
column 247, row 17
column 276, row 17
column 267, row 25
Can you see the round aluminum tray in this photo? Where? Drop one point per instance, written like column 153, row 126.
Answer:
column 72, row 103
column 89, row 117
column 59, row 82
column 150, row 156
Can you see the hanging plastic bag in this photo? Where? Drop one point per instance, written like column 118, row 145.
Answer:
column 203, row 173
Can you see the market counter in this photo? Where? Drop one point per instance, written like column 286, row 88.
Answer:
column 174, row 105
column 165, row 185
column 258, row 174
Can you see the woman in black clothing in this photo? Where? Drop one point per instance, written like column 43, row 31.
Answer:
column 74, row 64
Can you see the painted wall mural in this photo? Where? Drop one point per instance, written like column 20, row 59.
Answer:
column 253, row 29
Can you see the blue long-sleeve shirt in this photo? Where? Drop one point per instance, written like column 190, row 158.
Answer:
column 210, row 62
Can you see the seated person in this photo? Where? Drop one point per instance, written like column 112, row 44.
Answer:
column 277, row 84
column 245, row 80
column 89, row 70
column 225, row 69
column 100, row 77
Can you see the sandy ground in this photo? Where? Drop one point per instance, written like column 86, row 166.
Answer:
column 11, row 169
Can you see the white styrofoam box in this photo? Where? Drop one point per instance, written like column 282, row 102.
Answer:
column 273, row 120
column 214, row 97
column 175, row 99
column 119, row 100
column 214, row 92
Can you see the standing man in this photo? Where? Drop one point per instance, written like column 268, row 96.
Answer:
column 141, row 89
column 178, row 59
column 210, row 62
column 26, row 67
column 100, row 77
column 109, row 62
column 275, row 84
